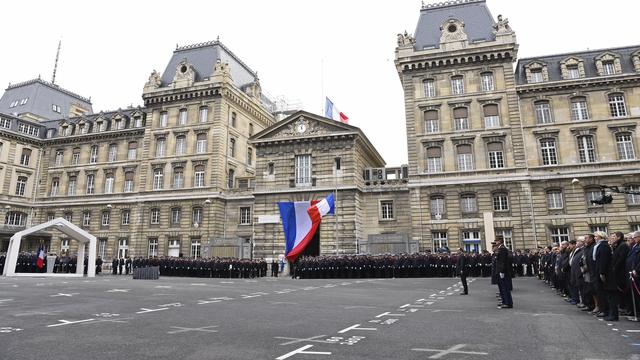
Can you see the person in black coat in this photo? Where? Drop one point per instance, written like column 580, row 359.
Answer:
column 114, row 266
column 462, row 269
column 503, row 268
column 602, row 259
column 616, row 278
column 120, row 265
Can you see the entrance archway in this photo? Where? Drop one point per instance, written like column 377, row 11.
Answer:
column 68, row 229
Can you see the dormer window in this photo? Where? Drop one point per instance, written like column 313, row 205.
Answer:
column 573, row 72
column 608, row 68
column 536, row 76
column 608, row 64
column 56, row 108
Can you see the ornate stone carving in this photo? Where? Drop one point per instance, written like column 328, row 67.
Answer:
column 185, row 74
column 302, row 127
column 406, row 39
column 154, row 80
column 635, row 57
column 501, row 27
column 221, row 72
column 452, row 30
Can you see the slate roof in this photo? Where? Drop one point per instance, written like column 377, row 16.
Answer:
column 478, row 22
column 589, row 58
column 203, row 57
column 41, row 96
column 89, row 119
column 14, row 123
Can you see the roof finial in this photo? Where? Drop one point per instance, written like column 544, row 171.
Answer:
column 218, row 38
column 55, row 66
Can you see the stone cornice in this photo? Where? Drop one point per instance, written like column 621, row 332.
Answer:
column 578, row 84
column 116, row 134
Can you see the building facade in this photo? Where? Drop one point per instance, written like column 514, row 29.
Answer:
column 496, row 145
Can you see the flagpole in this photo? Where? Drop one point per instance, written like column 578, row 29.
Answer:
column 322, row 101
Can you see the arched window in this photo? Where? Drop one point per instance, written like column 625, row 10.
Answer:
column 543, row 112
column 113, row 152
column 91, row 184
column 176, row 215
column 55, row 186
column 198, row 176
column 182, row 117
column 178, row 177
column 128, row 181
column 579, row 108
column 108, row 183
column 438, row 208
column 181, row 145
column 468, row 203
column 201, row 143
column 21, row 185
column 75, row 156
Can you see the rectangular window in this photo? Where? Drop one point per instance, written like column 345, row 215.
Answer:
column 429, row 87
column 249, row 156
column 608, row 68
column 90, row 184
column 468, row 204
column 201, row 143
column 439, row 240
column 586, row 150
column 434, row 164
column 153, row 248
column 603, row 228
column 178, row 178
column 457, row 85
column 592, row 195
column 548, row 151
column 64, row 245
column 624, row 145
column 465, row 162
column 71, row 188
column 59, row 157
column 204, row 112
column 55, row 186
column 337, row 163
column 108, row 184
column 303, row 169
column 176, row 214
column 125, row 217
column 471, row 240
column 543, row 112
column 461, row 124
column 437, row 207
column 198, row 180
column 132, row 151
column 431, row 126
column 250, row 129
column 86, row 218
column 164, row 119
column 93, row 158
column 160, row 147
column 113, row 152
column 496, row 159
column 158, row 179
column 500, row 202
column 579, row 109
column 155, row 216
column 5, row 123
column 487, row 82
column 491, row 116
column 634, row 198
column 21, row 185
column 195, row 248
column 75, row 158
column 270, row 168
column 181, row 145
column 559, row 234
column 182, row 117
column 56, row 108
column 232, row 147
column 554, row 200
column 105, row 218
column 68, row 216
column 24, row 158
column 196, row 216
column 617, row 105
column 137, row 121
column 572, row 72
column 507, row 236
column 386, row 209
column 245, row 215
column 102, row 248
column 536, row 75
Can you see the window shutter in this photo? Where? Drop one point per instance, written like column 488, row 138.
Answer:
column 464, row 149
column 460, row 112
column 491, row 110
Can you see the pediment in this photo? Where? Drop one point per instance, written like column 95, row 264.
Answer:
column 303, row 124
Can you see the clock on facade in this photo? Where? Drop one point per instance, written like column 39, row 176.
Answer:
column 301, row 127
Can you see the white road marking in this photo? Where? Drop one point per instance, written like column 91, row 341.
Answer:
column 33, row 313
column 302, row 351
column 355, row 327
column 118, row 290
column 66, row 322
column 177, row 304
column 8, row 329
column 226, row 282
column 64, row 294
column 163, row 287
column 452, row 350
column 387, row 314
column 145, row 310
column 633, row 331
column 184, row 329
column 298, row 340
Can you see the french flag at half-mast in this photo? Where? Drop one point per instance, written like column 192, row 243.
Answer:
column 40, row 260
column 332, row 112
column 300, row 221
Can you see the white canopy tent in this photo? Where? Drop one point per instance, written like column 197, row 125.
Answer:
column 68, row 229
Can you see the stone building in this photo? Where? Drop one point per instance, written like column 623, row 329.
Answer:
column 496, row 145
column 496, row 151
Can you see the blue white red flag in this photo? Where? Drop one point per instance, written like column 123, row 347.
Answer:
column 300, row 221
column 40, row 260
column 332, row 112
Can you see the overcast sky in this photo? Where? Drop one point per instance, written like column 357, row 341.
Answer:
column 301, row 49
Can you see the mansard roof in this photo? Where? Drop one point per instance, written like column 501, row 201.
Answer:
column 203, row 57
column 40, row 97
column 588, row 57
column 478, row 22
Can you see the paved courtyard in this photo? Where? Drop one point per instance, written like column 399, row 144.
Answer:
column 189, row 318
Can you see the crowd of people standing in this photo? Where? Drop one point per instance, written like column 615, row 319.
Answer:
column 598, row 273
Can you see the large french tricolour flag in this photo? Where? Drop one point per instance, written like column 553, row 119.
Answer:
column 332, row 112
column 300, row 221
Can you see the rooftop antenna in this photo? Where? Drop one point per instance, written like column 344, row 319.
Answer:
column 55, row 66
